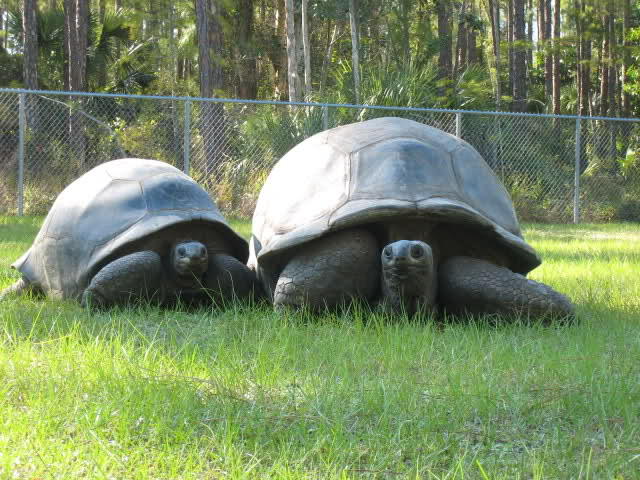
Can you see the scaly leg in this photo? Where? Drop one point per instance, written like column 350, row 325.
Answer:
column 331, row 270
column 132, row 277
column 469, row 285
column 227, row 278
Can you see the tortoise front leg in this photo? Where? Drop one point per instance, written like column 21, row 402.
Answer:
column 132, row 277
column 330, row 270
column 470, row 285
column 227, row 278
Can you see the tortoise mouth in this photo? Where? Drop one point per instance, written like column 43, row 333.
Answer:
column 404, row 271
column 190, row 259
column 191, row 269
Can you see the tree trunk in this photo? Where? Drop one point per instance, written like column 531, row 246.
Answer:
column 444, row 40
column 494, row 16
column 299, row 58
column 542, row 40
column 541, row 25
column 247, row 80
column 30, row 55
column 585, row 101
column 278, row 51
column 211, row 82
column 3, row 24
column 530, row 38
column 173, row 50
column 292, row 64
column 404, row 16
column 519, row 60
column 69, row 28
column 461, row 41
column 583, row 58
column 82, row 43
column 510, row 50
column 76, row 42
column 76, row 29
column 472, row 46
column 548, row 58
column 30, row 61
column 355, row 56
column 604, row 67
column 613, row 46
column 307, row 51
column 331, row 39
column 626, row 58
column 556, row 57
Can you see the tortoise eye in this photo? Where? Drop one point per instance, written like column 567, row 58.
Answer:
column 417, row 251
column 181, row 251
column 388, row 252
column 203, row 251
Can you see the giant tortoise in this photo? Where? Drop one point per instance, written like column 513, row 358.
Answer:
column 134, row 229
column 397, row 213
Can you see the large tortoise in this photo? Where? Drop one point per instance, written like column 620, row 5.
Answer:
column 396, row 212
column 134, row 228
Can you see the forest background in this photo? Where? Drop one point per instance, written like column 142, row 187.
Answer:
column 575, row 57
column 553, row 56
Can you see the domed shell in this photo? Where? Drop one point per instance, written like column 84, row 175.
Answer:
column 388, row 167
column 110, row 206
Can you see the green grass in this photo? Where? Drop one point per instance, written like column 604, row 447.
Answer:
column 248, row 393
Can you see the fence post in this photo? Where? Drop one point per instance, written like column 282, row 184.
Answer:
column 186, row 146
column 576, row 177
column 459, row 125
column 325, row 117
column 22, row 123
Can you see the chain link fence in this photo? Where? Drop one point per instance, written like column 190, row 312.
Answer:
column 557, row 169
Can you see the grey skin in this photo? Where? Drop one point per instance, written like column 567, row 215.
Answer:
column 188, row 273
column 408, row 279
column 462, row 284
column 144, row 276
column 398, row 214
column 131, row 230
column 409, row 276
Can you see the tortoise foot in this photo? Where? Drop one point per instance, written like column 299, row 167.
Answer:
column 330, row 271
column 134, row 277
column 228, row 278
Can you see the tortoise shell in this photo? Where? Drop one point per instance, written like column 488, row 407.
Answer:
column 378, row 170
column 108, row 208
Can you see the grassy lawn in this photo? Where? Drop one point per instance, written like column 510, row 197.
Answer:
column 247, row 393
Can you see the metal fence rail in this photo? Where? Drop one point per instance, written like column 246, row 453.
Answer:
column 557, row 168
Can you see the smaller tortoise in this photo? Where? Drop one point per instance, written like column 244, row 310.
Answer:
column 134, row 229
column 393, row 211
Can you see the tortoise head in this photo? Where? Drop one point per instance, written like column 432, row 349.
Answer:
column 189, row 259
column 408, row 275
